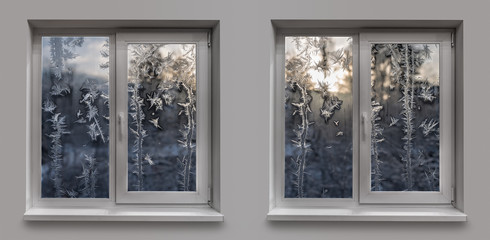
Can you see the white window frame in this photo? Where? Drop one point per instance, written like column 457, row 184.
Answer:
column 364, row 206
column 203, row 133
column 446, row 120
column 176, row 206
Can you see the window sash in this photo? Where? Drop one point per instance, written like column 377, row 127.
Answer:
column 446, row 119
column 35, row 119
column 203, row 131
column 278, row 124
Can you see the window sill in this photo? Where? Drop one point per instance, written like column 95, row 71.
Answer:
column 125, row 213
column 382, row 214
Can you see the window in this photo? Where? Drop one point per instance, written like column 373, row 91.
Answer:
column 366, row 118
column 133, row 129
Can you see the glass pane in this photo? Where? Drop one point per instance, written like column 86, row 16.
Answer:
column 75, row 117
column 318, row 117
column 405, row 117
column 162, row 114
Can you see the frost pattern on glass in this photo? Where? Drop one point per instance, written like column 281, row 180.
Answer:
column 162, row 114
column 405, row 117
column 318, row 117
column 75, row 117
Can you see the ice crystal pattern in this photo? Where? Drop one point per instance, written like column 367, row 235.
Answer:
column 318, row 119
column 89, row 176
column 376, row 138
column 162, row 106
column 90, row 93
column 74, row 132
column 137, row 115
column 404, row 146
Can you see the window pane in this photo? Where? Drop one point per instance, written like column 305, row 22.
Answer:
column 162, row 114
column 318, row 117
column 75, row 117
column 405, row 117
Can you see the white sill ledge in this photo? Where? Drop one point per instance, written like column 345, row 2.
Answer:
column 126, row 213
column 402, row 214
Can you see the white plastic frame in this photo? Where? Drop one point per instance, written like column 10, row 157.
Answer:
column 447, row 106
column 203, row 131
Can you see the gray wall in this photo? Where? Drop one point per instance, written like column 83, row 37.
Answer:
column 246, row 35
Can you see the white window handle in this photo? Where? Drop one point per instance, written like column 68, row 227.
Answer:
column 364, row 119
column 120, row 121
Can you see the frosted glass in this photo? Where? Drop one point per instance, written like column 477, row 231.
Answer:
column 405, row 117
column 75, row 117
column 318, row 117
column 162, row 117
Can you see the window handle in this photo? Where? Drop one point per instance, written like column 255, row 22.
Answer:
column 364, row 117
column 120, row 122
